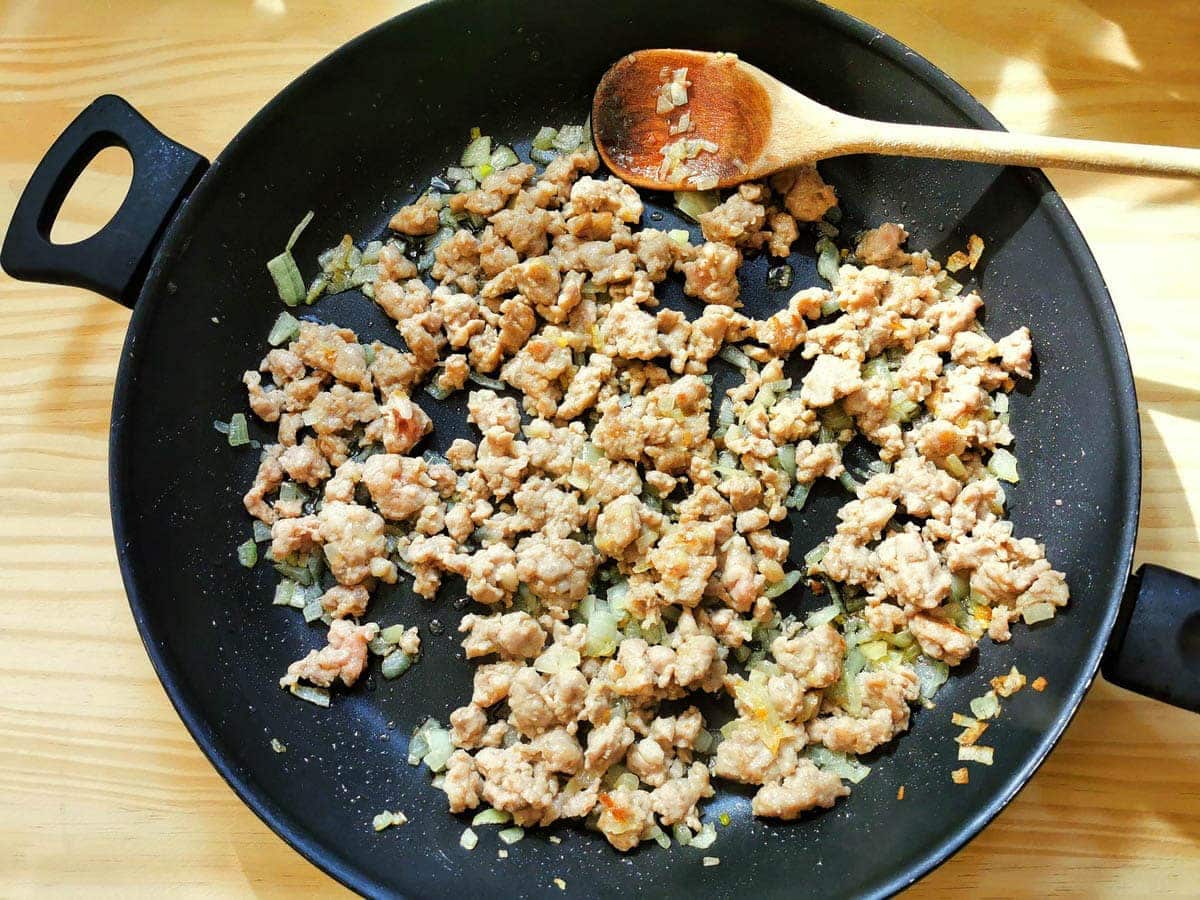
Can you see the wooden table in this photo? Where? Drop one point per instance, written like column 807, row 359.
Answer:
column 102, row 789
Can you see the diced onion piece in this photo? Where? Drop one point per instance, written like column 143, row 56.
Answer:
column 683, row 834
column 238, row 433
column 627, row 781
column 511, row 835
column 417, row 748
column 660, row 837
column 491, row 816
column 1004, row 465
column 694, row 204
column 395, row 664
column 843, row 765
column 710, row 861
column 298, row 230
column 315, row 695
column 787, row 459
column 436, row 391
column 985, row 707
column 954, row 466
column 478, row 152
column 289, row 283
column 960, row 776
column 680, row 236
column 975, row 753
column 393, row 633
column 602, row 632
column 931, row 673
column 705, row 837
column 783, row 585
column 469, row 839
column 544, row 139
column 247, row 554
column 816, row 554
column 828, row 261
column 440, row 748
column 485, row 381
column 797, row 496
column 283, row 593
column 874, row 651
column 1037, row 612
column 262, row 531
column 503, row 157
column 286, row 328
column 822, row 616
column 569, row 137
column 737, row 358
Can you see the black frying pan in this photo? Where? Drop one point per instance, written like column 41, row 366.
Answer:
column 354, row 138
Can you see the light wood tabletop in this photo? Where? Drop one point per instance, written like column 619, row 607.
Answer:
column 102, row 791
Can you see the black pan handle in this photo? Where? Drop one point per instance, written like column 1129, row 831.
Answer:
column 114, row 260
column 1155, row 646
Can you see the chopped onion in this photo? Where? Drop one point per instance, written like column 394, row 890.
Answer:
column 975, row 753
column 931, row 673
column 436, row 391
column 289, row 283
column 298, row 230
column 843, row 765
column 469, row 839
column 603, row 635
column 569, row 137
column 705, row 837
column 440, row 748
column 511, row 835
column 985, row 707
column 544, row 139
column 1037, row 612
column 783, row 585
column 503, row 157
column 238, row 433
column 787, row 459
column 286, row 328
column 737, row 358
column 491, row 816
column 683, row 834
column 694, row 204
column 262, row 531
column 315, row 695
column 283, row 593
column 395, row 664
column 797, row 496
column 828, row 261
column 478, row 152
column 557, row 658
column 247, row 554
column 1004, row 466
column 822, row 616
column 485, row 381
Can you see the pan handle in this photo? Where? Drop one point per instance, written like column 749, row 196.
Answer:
column 114, row 260
column 1155, row 646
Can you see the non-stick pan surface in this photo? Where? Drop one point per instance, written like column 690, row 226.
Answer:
column 354, row 138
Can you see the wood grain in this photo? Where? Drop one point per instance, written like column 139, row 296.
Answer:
column 104, row 794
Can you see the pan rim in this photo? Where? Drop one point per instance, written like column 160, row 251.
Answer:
column 1078, row 255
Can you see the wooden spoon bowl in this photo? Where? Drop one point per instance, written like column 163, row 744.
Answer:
column 760, row 125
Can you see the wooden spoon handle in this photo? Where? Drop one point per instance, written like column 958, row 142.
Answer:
column 1005, row 148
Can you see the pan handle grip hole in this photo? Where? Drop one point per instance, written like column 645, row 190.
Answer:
column 95, row 197
column 45, row 242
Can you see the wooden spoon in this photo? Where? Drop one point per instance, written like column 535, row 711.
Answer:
column 761, row 125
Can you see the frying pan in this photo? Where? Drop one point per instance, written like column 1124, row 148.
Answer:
column 357, row 136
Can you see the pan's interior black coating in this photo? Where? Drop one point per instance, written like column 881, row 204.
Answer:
column 351, row 140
